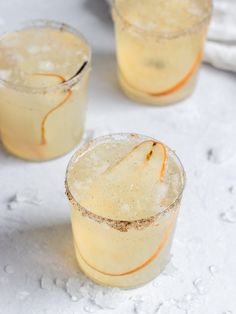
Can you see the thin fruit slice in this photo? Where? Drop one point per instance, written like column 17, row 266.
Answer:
column 122, row 184
column 162, row 243
column 45, row 82
column 184, row 80
column 178, row 85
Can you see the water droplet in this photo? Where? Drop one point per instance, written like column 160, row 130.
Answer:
column 46, row 283
column 200, row 286
column 229, row 216
column 9, row 269
column 213, row 270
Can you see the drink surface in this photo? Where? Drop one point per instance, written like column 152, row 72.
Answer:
column 122, row 179
column 41, row 50
column 161, row 15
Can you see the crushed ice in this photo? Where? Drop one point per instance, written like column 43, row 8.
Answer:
column 73, row 286
column 201, row 286
column 144, row 305
column 229, row 216
column 213, row 270
column 60, row 283
column 91, row 307
column 46, row 283
column 9, row 269
column 97, row 297
column 109, row 298
column 187, row 303
column 30, row 196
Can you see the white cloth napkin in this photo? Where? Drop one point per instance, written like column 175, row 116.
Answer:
column 220, row 49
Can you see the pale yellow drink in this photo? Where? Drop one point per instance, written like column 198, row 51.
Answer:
column 42, row 95
column 124, row 192
column 160, row 47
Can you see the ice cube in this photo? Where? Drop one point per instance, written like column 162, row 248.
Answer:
column 73, row 287
column 46, row 283
column 9, row 269
column 46, row 65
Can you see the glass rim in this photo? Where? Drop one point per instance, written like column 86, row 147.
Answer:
column 161, row 34
column 47, row 23
column 122, row 225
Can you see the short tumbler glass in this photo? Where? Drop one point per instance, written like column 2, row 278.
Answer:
column 44, row 73
column 158, row 63
column 121, row 253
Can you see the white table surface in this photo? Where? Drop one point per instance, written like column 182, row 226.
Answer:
column 35, row 239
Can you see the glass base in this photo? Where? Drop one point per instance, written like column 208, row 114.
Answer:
column 173, row 98
column 131, row 281
column 37, row 152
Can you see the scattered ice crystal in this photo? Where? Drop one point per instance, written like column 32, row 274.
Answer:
column 144, row 305
column 213, row 270
column 109, row 298
column 73, row 287
column 200, row 286
column 229, row 216
column 187, row 303
column 9, row 269
column 46, row 283
column 60, row 283
column 27, row 195
column 91, row 307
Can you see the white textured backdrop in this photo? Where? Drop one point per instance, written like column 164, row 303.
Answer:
column 38, row 271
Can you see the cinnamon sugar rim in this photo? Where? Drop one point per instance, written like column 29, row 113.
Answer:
column 162, row 34
column 67, row 84
column 122, row 225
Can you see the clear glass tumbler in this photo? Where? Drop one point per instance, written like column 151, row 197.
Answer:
column 124, row 191
column 44, row 73
column 160, row 47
